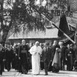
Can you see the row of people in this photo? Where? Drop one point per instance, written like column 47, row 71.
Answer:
column 56, row 57
column 24, row 57
column 16, row 57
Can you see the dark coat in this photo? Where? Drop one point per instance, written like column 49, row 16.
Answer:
column 8, row 55
column 46, row 58
column 1, row 61
column 63, row 53
column 23, row 54
column 70, row 59
column 46, row 54
column 1, row 56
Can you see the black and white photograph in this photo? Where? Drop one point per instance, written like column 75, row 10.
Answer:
column 38, row 38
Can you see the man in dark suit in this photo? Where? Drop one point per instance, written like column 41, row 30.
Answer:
column 46, row 57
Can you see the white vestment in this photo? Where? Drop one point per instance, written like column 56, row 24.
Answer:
column 36, row 51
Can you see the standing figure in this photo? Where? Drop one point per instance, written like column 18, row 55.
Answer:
column 36, row 51
column 1, row 59
column 55, row 62
column 23, row 56
column 42, row 62
column 63, row 54
column 8, row 56
column 53, row 48
column 46, row 57
column 16, row 59
column 70, row 56
column 54, row 51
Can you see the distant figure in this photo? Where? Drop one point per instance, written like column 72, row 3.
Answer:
column 70, row 57
column 1, row 59
column 36, row 51
column 23, row 55
column 55, row 48
column 63, row 54
column 8, row 56
column 46, row 57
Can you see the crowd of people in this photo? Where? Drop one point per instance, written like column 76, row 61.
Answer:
column 38, row 56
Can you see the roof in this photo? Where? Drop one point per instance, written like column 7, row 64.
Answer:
column 49, row 33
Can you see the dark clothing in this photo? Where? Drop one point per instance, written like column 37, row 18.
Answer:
column 23, row 54
column 8, row 58
column 53, row 50
column 13, row 60
column 1, row 62
column 63, row 57
column 54, row 58
column 16, row 59
column 70, row 59
column 75, row 53
column 46, row 58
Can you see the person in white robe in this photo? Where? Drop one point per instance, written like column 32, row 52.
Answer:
column 36, row 51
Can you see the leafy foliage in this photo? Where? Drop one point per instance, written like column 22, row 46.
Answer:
column 20, row 13
column 28, row 13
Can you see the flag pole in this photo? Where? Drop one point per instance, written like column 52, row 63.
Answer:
column 57, row 27
column 60, row 30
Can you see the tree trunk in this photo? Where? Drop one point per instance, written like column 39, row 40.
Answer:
column 5, row 32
